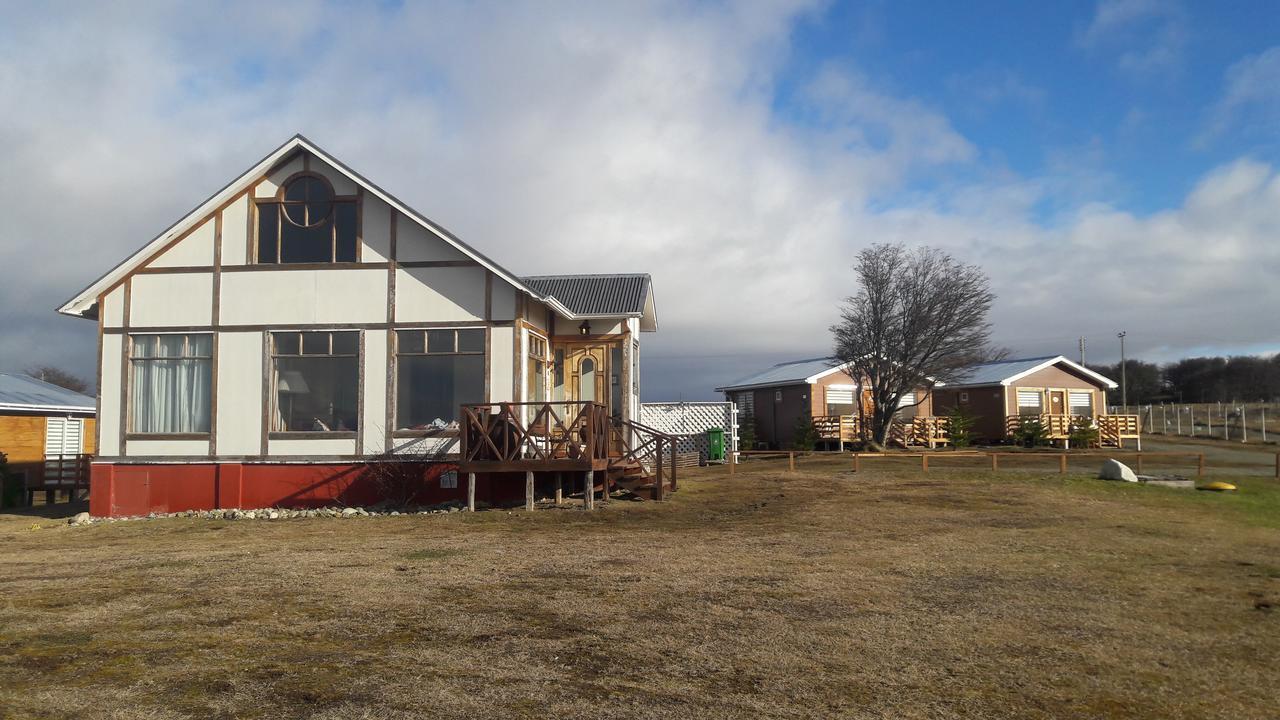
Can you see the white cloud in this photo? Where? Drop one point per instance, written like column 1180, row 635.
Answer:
column 591, row 139
column 1149, row 36
column 1250, row 99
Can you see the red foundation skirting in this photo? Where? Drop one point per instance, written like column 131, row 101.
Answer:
column 117, row 490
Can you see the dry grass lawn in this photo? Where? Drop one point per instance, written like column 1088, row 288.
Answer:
column 819, row 594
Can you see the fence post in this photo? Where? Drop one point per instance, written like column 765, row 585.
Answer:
column 1278, row 466
column 1139, row 462
column 733, row 462
column 924, row 462
column 1200, row 466
column 1062, row 464
column 1264, row 425
column 791, row 461
column 995, row 461
column 857, row 462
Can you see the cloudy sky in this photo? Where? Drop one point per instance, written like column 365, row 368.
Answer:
column 1114, row 166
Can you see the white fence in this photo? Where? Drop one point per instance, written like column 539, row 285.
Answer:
column 689, row 422
column 1245, row 422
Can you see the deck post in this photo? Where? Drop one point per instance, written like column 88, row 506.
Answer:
column 528, row 490
column 673, row 464
column 589, row 490
column 659, row 481
column 559, row 490
column 471, row 492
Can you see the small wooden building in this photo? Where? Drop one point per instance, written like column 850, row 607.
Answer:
column 1054, row 390
column 47, row 434
column 822, row 390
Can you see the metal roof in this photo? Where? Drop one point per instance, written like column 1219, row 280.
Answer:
column 1005, row 371
column 20, row 392
column 787, row 373
column 595, row 295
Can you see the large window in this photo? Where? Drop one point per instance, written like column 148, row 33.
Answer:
column 1030, row 402
column 316, row 381
column 171, row 379
column 307, row 223
column 436, row 372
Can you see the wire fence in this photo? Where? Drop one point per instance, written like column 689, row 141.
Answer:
column 1242, row 422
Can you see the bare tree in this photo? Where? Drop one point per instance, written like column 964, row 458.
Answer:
column 59, row 377
column 919, row 317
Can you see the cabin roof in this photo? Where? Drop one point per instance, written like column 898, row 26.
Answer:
column 786, row 373
column 1006, row 372
column 21, row 392
column 82, row 303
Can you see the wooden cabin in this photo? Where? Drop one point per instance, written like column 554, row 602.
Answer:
column 302, row 333
column 822, row 391
column 1001, row 396
column 47, row 434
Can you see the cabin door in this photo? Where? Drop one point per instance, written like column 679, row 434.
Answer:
column 1057, row 402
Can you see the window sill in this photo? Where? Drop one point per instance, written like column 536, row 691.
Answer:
column 166, row 436
column 312, row 435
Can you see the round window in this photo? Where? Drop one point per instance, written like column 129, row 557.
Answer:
column 307, row 201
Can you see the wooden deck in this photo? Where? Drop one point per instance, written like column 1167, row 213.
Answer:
column 1113, row 430
column 566, row 437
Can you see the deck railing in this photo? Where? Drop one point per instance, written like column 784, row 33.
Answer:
column 1112, row 429
column 836, row 427
column 648, row 447
column 507, row 432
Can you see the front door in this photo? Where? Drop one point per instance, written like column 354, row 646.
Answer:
column 1057, row 402
column 586, row 371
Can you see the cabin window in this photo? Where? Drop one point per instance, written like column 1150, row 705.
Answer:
column 307, row 223
column 839, row 400
column 170, row 383
column 557, row 376
column 437, row 371
column 1030, row 402
column 537, row 369
column 316, row 380
column 635, row 369
column 907, row 407
column 1081, row 403
column 615, row 380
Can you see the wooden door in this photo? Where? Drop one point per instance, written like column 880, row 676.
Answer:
column 586, row 372
column 1057, row 402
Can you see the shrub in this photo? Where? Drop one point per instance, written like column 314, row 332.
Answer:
column 960, row 427
column 1031, row 432
column 1083, row 433
column 806, row 437
column 747, row 432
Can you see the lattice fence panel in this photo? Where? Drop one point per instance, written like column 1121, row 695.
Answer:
column 689, row 422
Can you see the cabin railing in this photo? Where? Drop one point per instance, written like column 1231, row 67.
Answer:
column 509, row 431
column 836, row 427
column 927, row 430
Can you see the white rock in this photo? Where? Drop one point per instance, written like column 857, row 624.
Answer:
column 1115, row 470
column 81, row 518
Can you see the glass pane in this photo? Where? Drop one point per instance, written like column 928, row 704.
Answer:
column 431, row 388
column 169, row 345
column 200, row 345
column 295, row 213
column 471, row 340
column 171, row 396
column 316, row 394
column 411, row 341
column 305, row 245
column 315, row 343
column 615, row 381
column 268, row 232
column 587, row 380
column 297, row 190
column 143, row 346
column 317, row 212
column 346, row 343
column 286, row 343
column 344, row 218
column 441, row 341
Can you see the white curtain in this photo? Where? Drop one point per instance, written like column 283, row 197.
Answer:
column 172, row 387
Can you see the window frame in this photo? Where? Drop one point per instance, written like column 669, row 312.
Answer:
column 277, row 201
column 273, row 394
column 130, row 359
column 393, row 395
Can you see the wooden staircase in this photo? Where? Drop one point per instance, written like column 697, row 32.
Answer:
column 641, row 460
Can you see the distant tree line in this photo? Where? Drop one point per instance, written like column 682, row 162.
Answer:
column 1198, row 380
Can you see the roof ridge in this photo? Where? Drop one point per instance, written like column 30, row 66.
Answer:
column 585, row 275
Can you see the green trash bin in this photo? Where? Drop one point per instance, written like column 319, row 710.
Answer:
column 715, row 445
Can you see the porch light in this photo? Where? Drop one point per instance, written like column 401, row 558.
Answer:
column 584, row 328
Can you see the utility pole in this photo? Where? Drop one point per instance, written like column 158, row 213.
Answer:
column 1081, row 350
column 1124, row 390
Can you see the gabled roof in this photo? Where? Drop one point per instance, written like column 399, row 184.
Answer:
column 787, row 373
column 589, row 296
column 1006, row 372
column 81, row 303
column 20, row 392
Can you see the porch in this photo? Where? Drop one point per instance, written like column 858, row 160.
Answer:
column 922, row 430
column 566, row 439
column 1113, row 430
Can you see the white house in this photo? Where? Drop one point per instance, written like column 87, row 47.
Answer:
column 302, row 321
